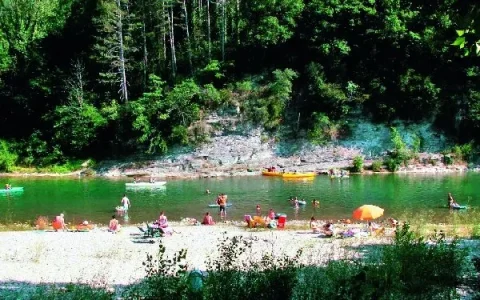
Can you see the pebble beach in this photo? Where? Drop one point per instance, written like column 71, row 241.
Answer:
column 100, row 258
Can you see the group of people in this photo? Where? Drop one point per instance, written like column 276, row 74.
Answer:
column 296, row 202
column 151, row 180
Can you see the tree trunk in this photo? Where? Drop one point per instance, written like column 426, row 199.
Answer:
column 189, row 46
column 209, row 32
column 172, row 42
column 145, row 52
column 121, row 55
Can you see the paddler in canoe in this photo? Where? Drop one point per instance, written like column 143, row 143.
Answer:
column 451, row 202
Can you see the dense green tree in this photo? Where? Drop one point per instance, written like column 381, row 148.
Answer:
column 113, row 77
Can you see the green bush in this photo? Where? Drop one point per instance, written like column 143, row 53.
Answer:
column 401, row 153
column 392, row 164
column 165, row 277
column 448, row 160
column 7, row 157
column 377, row 166
column 323, row 129
column 357, row 164
column 462, row 153
column 413, row 267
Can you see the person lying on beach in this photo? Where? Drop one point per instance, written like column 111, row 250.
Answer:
column 113, row 226
column 207, row 219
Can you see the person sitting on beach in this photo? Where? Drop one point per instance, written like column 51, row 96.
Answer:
column 271, row 214
column 372, row 226
column 59, row 223
column 328, row 229
column 207, row 219
column 113, row 226
column 314, row 226
column 162, row 224
column 393, row 222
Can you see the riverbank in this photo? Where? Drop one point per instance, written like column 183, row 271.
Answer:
column 114, row 261
column 102, row 258
column 238, row 159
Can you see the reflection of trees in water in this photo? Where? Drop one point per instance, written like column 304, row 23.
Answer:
column 8, row 213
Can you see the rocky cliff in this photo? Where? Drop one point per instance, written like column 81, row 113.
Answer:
column 235, row 149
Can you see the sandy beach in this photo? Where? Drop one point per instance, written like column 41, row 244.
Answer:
column 104, row 259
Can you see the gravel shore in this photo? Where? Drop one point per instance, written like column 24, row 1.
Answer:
column 101, row 258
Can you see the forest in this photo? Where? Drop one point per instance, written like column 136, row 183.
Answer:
column 111, row 78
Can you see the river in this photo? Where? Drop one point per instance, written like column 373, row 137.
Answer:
column 94, row 199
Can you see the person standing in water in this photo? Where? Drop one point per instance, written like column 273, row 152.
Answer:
column 125, row 202
column 222, row 203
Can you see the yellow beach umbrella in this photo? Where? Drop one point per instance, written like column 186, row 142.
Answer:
column 368, row 212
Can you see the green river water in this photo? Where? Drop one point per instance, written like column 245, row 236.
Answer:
column 94, row 199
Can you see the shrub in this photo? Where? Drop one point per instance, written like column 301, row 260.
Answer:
column 323, row 129
column 392, row 164
column 413, row 267
column 357, row 164
column 165, row 277
column 377, row 166
column 400, row 152
column 462, row 153
column 7, row 157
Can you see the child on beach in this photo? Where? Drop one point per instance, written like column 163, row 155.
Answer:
column 113, row 226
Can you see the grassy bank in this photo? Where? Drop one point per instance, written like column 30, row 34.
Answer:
column 409, row 268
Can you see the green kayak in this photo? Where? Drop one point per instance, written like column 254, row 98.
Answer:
column 12, row 190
